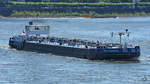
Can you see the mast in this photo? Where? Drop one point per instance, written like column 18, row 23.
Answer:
column 121, row 34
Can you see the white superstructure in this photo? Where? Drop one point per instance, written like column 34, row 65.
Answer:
column 32, row 29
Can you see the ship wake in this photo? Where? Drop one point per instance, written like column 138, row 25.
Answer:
column 4, row 47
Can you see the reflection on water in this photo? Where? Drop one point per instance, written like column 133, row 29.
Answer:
column 22, row 67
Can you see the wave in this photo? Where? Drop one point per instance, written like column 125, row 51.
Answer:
column 4, row 47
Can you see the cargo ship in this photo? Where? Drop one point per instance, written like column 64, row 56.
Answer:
column 36, row 38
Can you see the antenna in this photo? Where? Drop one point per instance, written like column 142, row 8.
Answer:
column 128, row 33
column 120, row 35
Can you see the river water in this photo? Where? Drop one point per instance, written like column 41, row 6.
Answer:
column 22, row 67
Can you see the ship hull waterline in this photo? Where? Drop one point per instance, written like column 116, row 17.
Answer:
column 91, row 54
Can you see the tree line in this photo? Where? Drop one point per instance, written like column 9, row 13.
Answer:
column 80, row 1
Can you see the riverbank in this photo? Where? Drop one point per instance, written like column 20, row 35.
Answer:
column 63, row 9
column 73, row 10
column 26, row 14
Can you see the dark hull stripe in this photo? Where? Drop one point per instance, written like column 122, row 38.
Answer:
column 77, row 52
